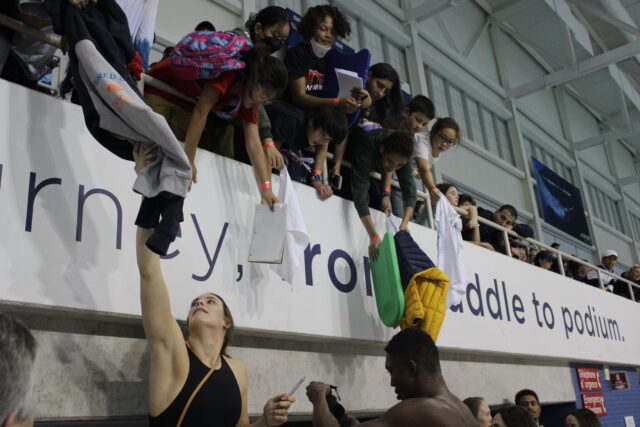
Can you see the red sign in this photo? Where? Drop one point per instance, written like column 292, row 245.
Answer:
column 619, row 380
column 589, row 379
column 595, row 402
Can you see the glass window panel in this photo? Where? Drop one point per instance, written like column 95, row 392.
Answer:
column 617, row 218
column 489, row 131
column 457, row 108
column 474, row 122
column 594, row 201
column 635, row 222
column 397, row 59
column 528, row 147
column 504, row 141
column 605, row 203
column 372, row 41
column 439, row 95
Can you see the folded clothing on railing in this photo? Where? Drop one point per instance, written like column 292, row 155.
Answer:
column 114, row 110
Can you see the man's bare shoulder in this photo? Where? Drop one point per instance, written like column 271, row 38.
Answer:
column 426, row 411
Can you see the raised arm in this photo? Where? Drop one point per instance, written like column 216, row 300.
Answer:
column 385, row 182
column 259, row 161
column 409, row 197
column 160, row 328
column 424, row 170
column 324, row 190
column 208, row 98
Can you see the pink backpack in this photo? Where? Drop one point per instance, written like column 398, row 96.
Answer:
column 206, row 54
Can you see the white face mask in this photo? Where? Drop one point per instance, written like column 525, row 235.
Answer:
column 319, row 50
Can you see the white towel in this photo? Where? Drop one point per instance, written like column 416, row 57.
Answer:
column 297, row 238
column 141, row 16
column 449, row 227
column 393, row 224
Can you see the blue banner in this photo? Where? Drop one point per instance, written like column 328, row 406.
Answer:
column 560, row 202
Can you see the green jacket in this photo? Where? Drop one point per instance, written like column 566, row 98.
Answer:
column 365, row 155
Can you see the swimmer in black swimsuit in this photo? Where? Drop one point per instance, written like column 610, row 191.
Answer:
column 193, row 383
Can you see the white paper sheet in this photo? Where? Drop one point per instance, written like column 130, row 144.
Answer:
column 347, row 80
column 267, row 244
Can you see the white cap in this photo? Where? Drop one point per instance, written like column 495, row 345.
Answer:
column 609, row 252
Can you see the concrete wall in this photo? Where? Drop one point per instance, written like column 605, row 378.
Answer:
column 92, row 366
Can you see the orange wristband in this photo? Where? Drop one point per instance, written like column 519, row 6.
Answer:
column 386, row 190
column 376, row 239
column 336, row 102
column 316, row 173
column 269, row 145
column 265, row 185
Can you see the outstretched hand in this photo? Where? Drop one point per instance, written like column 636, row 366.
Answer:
column 277, row 408
column 269, row 199
column 317, row 391
column 143, row 158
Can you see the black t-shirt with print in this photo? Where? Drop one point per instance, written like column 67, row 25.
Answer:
column 301, row 61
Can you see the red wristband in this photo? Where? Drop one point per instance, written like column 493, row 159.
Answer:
column 316, row 173
column 386, row 190
column 336, row 102
column 433, row 187
column 376, row 239
column 269, row 145
column 265, row 185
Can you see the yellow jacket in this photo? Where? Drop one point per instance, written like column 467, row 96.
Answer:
column 425, row 302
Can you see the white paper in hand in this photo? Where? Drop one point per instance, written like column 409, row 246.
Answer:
column 267, row 243
column 347, row 80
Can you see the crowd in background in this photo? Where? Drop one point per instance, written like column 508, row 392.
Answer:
column 297, row 125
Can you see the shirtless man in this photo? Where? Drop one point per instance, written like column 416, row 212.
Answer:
column 414, row 366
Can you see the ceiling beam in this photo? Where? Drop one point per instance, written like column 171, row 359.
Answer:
column 580, row 69
column 611, row 135
column 631, row 179
column 431, row 8
column 510, row 8
column 607, row 17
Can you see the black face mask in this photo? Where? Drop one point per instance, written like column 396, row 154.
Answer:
column 273, row 43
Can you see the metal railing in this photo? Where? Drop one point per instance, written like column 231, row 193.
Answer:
column 506, row 233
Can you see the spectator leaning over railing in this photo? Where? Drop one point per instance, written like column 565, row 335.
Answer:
column 298, row 131
column 579, row 271
column 444, row 134
column 545, row 260
column 381, row 150
column 470, row 224
column 504, row 216
column 307, row 64
column 205, row 26
column 383, row 84
column 386, row 109
column 470, row 221
column 518, row 249
column 622, row 288
column 415, row 117
column 270, row 26
column 609, row 261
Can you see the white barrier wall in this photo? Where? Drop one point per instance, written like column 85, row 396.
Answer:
column 67, row 213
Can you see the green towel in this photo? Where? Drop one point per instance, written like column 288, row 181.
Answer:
column 387, row 284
